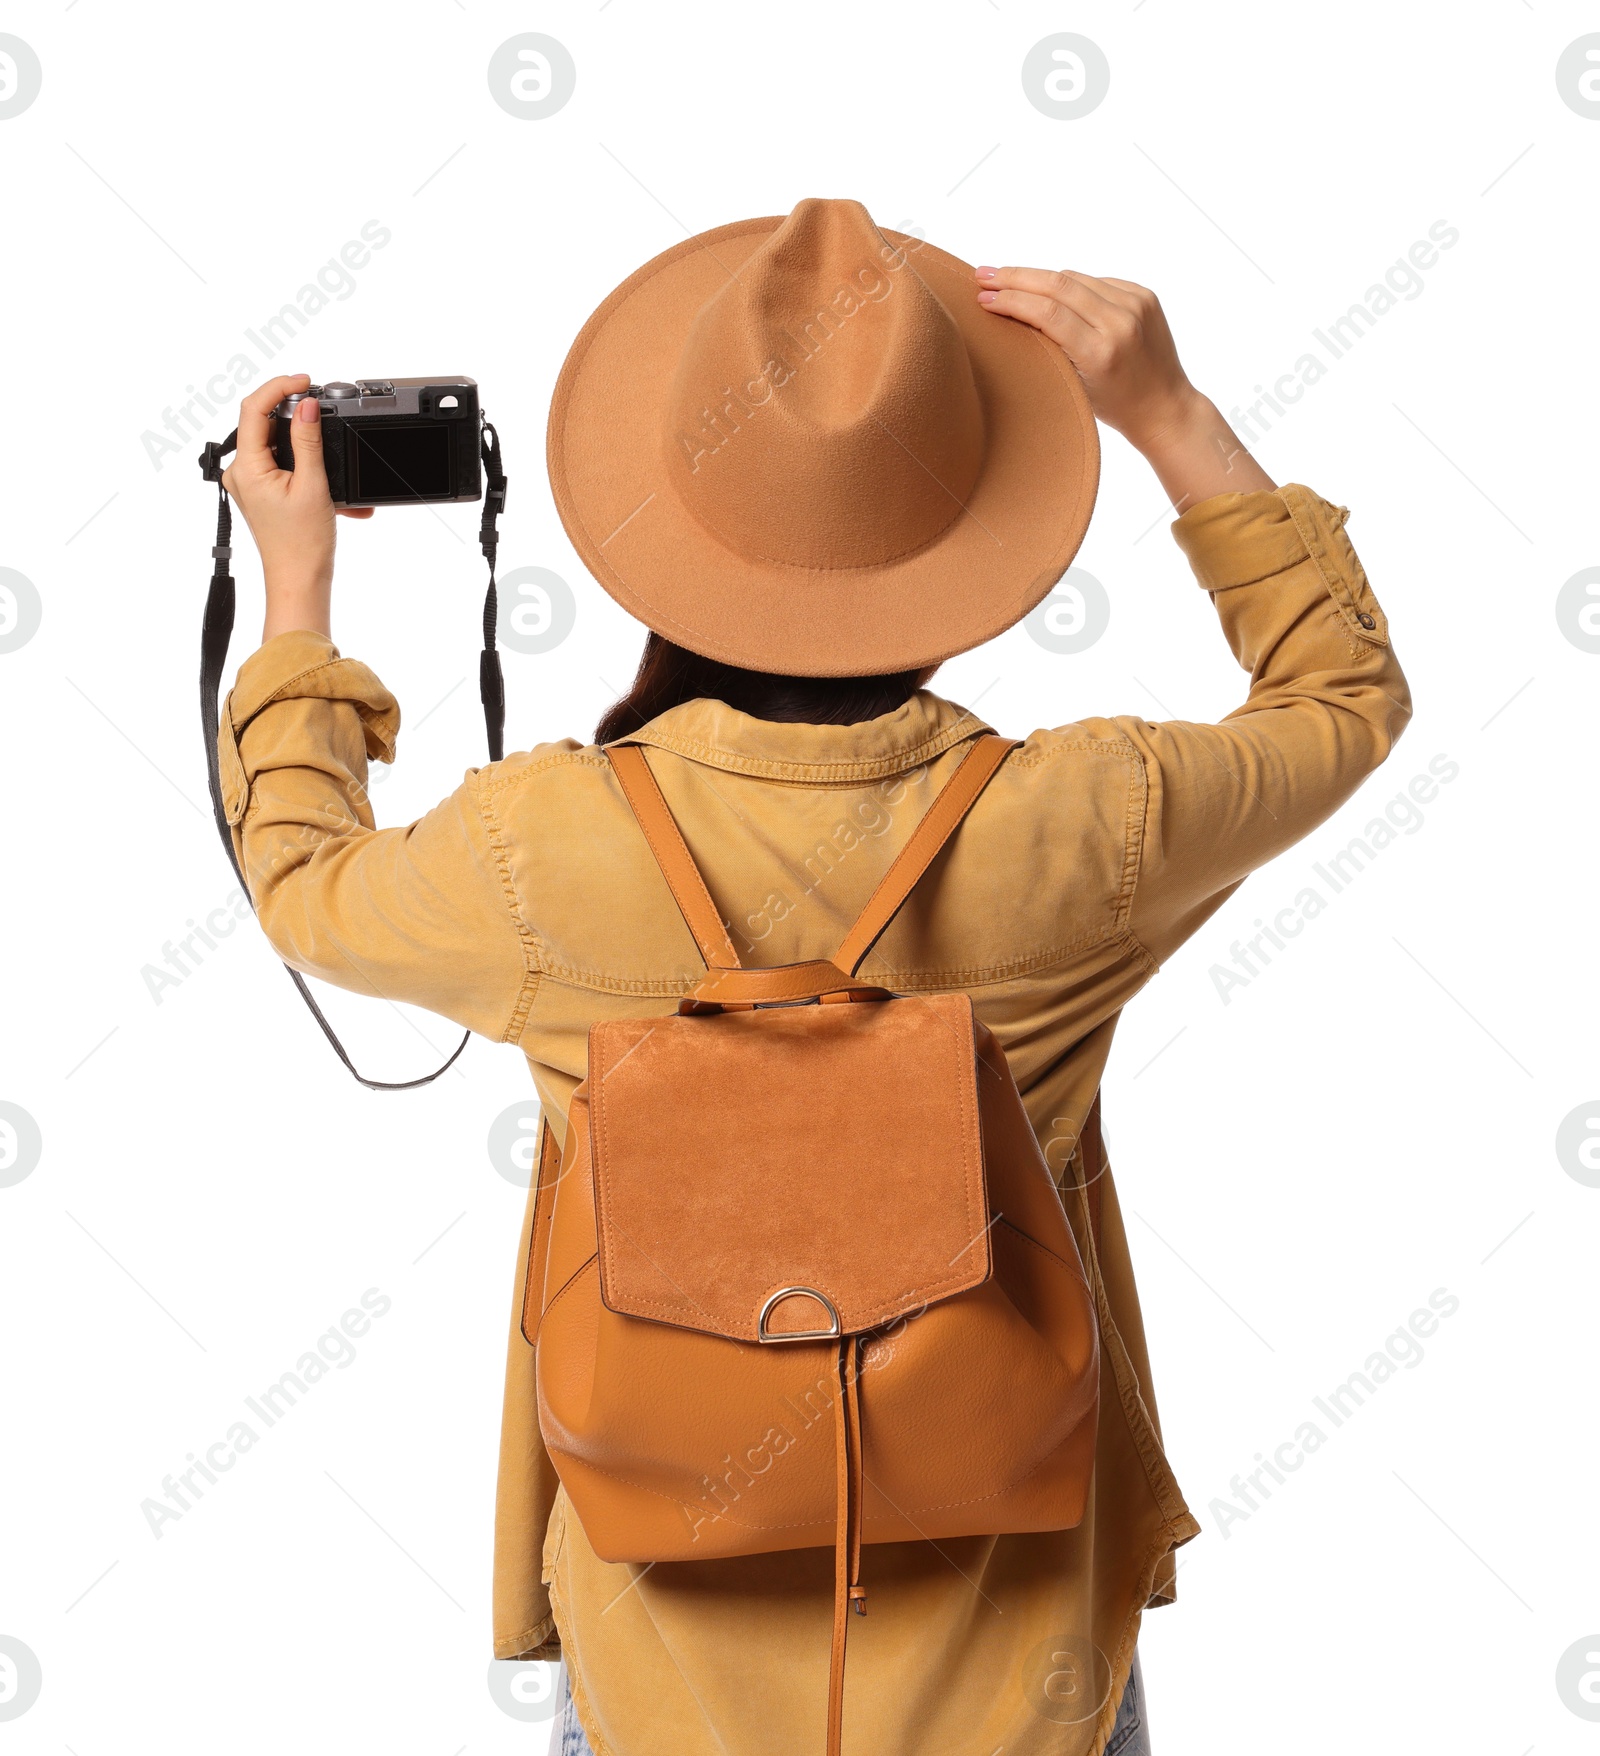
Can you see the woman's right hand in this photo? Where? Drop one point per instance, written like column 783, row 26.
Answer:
column 289, row 512
column 1116, row 336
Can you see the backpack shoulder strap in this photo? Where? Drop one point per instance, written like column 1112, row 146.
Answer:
column 688, row 888
column 938, row 824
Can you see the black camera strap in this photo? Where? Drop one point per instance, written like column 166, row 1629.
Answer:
column 216, row 630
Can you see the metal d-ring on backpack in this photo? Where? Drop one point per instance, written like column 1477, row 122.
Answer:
column 804, row 1278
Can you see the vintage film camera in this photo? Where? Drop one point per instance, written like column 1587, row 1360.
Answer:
column 392, row 441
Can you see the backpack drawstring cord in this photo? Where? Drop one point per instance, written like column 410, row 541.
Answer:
column 848, row 1590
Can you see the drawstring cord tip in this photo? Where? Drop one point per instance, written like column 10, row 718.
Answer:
column 858, row 1597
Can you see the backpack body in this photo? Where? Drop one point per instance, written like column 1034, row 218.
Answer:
column 875, row 1154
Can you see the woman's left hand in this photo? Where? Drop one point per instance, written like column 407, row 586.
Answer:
column 1115, row 334
column 289, row 512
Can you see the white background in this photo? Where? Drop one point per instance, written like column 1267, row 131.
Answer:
column 1371, row 1118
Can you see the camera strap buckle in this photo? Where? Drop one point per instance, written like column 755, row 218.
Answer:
column 211, row 460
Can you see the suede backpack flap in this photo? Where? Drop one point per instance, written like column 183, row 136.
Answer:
column 746, row 1161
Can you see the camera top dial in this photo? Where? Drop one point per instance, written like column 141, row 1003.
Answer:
column 286, row 407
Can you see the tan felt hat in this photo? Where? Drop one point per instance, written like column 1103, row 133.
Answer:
column 801, row 445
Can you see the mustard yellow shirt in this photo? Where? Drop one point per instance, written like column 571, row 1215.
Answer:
column 526, row 907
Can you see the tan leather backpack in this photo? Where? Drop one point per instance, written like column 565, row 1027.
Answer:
column 803, row 1276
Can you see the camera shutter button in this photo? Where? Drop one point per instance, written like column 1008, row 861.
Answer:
column 340, row 391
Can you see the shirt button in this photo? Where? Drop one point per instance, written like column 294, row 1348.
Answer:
column 1365, row 620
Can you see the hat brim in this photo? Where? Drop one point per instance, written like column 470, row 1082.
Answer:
column 1014, row 536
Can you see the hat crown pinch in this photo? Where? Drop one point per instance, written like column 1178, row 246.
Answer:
column 824, row 411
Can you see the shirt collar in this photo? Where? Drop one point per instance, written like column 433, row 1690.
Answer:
column 713, row 733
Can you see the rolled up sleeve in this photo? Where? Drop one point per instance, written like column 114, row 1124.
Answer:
column 1327, row 700
column 423, row 914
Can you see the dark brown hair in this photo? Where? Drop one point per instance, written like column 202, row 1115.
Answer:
column 669, row 674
